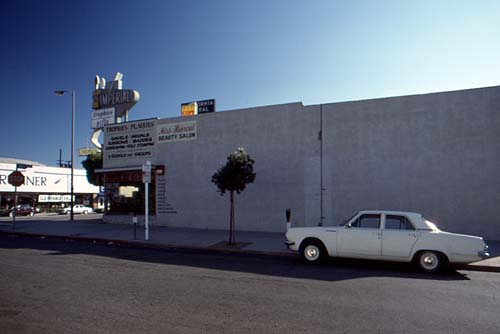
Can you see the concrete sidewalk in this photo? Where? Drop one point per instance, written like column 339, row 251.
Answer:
column 261, row 243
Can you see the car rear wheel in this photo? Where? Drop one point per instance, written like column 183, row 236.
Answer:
column 313, row 251
column 430, row 261
column 85, row 212
column 32, row 214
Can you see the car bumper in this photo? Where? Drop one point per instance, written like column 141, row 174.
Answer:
column 291, row 245
column 483, row 254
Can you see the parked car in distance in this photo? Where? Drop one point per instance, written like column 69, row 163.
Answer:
column 77, row 209
column 387, row 235
column 19, row 210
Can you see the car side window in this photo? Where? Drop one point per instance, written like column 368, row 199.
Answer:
column 367, row 221
column 393, row 222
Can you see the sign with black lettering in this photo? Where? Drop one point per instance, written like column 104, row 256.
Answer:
column 129, row 144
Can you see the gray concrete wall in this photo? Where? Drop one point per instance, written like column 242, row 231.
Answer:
column 437, row 154
column 283, row 142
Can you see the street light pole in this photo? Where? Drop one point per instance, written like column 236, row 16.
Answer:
column 72, row 151
column 61, row 93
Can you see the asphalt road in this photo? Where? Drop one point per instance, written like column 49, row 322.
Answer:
column 51, row 286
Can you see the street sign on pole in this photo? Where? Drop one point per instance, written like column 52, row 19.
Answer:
column 146, row 172
column 146, row 178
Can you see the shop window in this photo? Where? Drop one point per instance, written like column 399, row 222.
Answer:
column 126, row 193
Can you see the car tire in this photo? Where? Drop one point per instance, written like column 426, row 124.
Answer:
column 430, row 261
column 32, row 214
column 85, row 212
column 68, row 212
column 11, row 214
column 313, row 251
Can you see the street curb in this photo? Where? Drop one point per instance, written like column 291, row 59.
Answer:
column 204, row 250
column 477, row 267
column 144, row 245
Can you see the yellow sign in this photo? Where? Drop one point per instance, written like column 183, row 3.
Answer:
column 189, row 109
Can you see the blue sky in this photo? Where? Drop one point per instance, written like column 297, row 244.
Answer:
column 242, row 53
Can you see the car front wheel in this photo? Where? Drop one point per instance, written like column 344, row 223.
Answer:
column 313, row 252
column 430, row 261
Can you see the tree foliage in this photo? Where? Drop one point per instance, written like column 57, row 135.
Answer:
column 93, row 162
column 234, row 176
column 236, row 173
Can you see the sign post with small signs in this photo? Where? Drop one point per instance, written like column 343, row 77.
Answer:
column 146, row 178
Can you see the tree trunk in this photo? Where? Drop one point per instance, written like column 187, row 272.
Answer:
column 232, row 240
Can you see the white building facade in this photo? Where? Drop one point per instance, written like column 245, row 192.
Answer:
column 437, row 154
column 45, row 187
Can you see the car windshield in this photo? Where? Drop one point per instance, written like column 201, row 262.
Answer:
column 348, row 219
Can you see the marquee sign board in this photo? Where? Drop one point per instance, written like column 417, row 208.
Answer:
column 120, row 99
column 107, row 97
column 129, row 144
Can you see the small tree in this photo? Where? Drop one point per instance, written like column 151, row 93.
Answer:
column 234, row 176
column 93, row 162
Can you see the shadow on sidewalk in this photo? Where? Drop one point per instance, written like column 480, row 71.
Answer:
column 334, row 270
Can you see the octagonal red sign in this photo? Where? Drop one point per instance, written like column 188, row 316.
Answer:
column 16, row 178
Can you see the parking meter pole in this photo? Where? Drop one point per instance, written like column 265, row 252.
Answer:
column 134, row 221
column 288, row 215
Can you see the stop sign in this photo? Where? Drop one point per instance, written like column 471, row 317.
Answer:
column 16, row 178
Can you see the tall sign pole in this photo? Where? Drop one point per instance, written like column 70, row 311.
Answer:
column 72, row 216
column 146, row 178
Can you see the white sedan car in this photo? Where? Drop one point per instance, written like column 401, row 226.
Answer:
column 77, row 208
column 387, row 235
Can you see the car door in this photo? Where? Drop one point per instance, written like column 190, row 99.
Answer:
column 398, row 237
column 77, row 209
column 361, row 237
